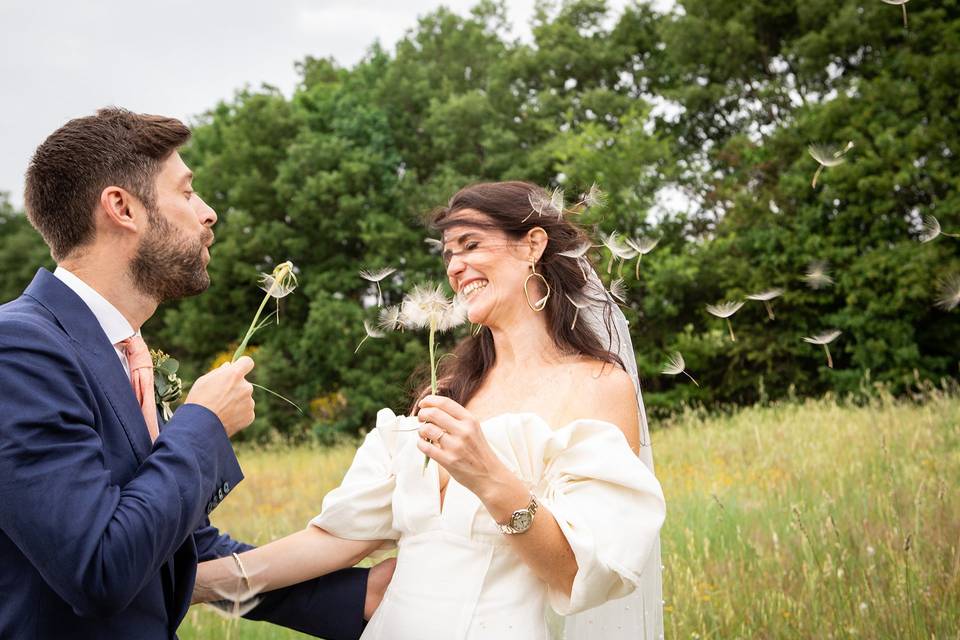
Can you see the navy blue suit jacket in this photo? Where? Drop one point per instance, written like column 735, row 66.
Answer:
column 100, row 532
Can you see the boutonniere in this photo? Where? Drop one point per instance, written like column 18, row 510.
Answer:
column 167, row 385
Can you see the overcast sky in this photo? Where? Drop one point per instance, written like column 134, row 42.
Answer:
column 62, row 59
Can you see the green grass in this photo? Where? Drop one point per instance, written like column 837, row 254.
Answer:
column 802, row 520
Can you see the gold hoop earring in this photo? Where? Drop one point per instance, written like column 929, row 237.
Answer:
column 540, row 304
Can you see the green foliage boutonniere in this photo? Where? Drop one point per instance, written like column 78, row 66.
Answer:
column 167, row 385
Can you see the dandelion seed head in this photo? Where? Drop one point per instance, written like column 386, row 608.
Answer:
column 376, row 275
column 618, row 289
column 281, row 282
column 643, row 246
column 372, row 331
column 817, row 275
column 577, row 252
column 724, row 309
column 828, row 155
column 949, row 292
column 617, row 247
column 594, row 197
column 769, row 294
column 427, row 306
column 675, row 364
column 931, row 229
column 823, row 338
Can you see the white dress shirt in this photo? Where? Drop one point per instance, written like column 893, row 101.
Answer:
column 114, row 325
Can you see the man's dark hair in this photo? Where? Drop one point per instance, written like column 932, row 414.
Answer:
column 79, row 160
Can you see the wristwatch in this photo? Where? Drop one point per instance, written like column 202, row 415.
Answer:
column 521, row 519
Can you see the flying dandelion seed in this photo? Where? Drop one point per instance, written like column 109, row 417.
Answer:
column 578, row 302
column 372, row 332
column 824, row 339
column 642, row 246
column 903, row 5
column 725, row 310
column 931, row 229
column 578, row 253
column 537, row 203
column 817, row 275
column 766, row 297
column 675, row 366
column 375, row 277
column 949, row 294
column 617, row 248
column 556, row 202
column 619, row 290
column 433, row 243
column 594, row 197
column 827, row 156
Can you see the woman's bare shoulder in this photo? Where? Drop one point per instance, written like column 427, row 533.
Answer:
column 605, row 392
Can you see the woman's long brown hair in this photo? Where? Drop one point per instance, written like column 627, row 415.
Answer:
column 507, row 208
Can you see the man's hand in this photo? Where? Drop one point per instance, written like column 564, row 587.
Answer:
column 377, row 582
column 226, row 392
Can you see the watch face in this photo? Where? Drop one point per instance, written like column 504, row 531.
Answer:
column 521, row 520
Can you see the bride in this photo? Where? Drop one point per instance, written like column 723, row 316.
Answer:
column 540, row 495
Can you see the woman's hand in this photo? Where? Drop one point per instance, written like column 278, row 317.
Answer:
column 456, row 443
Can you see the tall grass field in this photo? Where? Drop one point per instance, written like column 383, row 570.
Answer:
column 811, row 519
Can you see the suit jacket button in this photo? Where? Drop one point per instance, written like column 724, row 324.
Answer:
column 210, row 506
column 226, row 487
column 220, row 494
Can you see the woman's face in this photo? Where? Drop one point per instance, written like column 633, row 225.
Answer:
column 486, row 267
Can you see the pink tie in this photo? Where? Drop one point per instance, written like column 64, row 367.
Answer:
column 141, row 378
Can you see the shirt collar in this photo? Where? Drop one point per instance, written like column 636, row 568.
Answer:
column 111, row 320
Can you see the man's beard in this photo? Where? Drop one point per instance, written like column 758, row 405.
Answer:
column 169, row 265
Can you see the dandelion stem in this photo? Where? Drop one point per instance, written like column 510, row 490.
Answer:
column 576, row 312
column 829, row 359
column 815, row 176
column 733, row 338
column 904, row 7
column 361, row 344
column 253, row 328
column 287, row 400
column 691, row 378
column 638, row 265
column 766, row 303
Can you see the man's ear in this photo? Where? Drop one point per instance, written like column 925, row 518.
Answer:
column 120, row 209
column 537, row 240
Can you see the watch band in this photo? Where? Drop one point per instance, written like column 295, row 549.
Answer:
column 521, row 520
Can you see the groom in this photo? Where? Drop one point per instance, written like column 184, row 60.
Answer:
column 103, row 513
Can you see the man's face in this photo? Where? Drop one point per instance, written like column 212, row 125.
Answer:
column 171, row 260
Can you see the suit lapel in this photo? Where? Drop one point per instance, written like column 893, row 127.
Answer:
column 83, row 329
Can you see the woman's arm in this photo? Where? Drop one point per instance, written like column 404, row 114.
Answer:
column 300, row 556
column 466, row 455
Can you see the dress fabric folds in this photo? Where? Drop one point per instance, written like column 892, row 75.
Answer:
column 457, row 577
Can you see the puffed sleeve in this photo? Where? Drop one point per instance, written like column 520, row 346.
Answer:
column 609, row 506
column 361, row 507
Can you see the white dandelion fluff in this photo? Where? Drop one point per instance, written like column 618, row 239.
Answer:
column 827, row 156
column 642, row 246
column 372, row 332
column 949, row 292
column 725, row 310
column 766, row 297
column 376, row 276
column 817, row 275
column 824, row 339
column 675, row 365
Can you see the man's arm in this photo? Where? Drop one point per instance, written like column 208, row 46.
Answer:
column 95, row 542
column 334, row 606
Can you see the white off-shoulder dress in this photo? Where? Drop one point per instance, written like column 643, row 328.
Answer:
column 457, row 577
